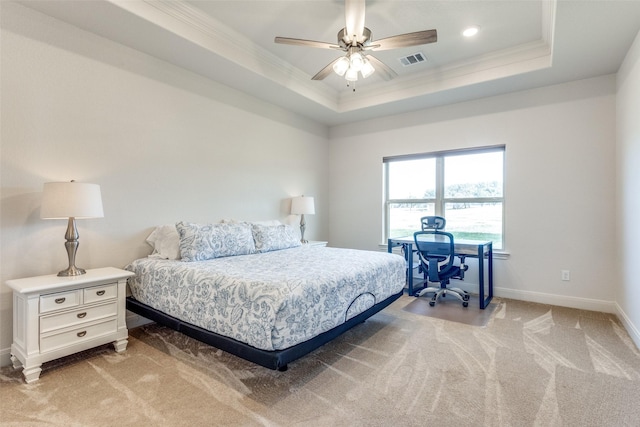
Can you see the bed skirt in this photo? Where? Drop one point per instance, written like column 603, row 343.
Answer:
column 277, row 359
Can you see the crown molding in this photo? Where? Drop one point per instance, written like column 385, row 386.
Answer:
column 199, row 28
column 524, row 58
column 191, row 24
column 500, row 64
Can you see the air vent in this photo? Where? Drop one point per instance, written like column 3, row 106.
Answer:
column 413, row 59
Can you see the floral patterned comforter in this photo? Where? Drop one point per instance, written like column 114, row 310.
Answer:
column 271, row 300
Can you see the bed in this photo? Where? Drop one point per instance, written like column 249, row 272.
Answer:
column 252, row 290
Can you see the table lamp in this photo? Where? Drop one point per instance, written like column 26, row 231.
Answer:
column 71, row 200
column 302, row 206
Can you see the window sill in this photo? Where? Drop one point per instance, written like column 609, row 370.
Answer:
column 501, row 254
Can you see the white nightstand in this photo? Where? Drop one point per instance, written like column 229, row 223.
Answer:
column 316, row 243
column 57, row 316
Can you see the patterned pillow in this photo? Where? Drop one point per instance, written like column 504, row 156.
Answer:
column 199, row 242
column 274, row 237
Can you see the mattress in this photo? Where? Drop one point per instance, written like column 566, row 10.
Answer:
column 273, row 300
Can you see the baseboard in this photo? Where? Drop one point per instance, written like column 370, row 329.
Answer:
column 561, row 300
column 542, row 298
column 634, row 333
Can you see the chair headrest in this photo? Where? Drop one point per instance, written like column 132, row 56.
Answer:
column 433, row 222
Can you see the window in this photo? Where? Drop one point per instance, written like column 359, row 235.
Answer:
column 466, row 187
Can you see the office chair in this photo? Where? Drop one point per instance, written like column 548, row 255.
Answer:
column 431, row 223
column 435, row 250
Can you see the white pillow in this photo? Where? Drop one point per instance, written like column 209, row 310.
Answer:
column 199, row 242
column 274, row 237
column 165, row 242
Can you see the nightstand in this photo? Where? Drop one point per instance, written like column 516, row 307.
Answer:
column 316, row 243
column 58, row 316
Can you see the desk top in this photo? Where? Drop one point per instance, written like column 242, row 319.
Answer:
column 463, row 246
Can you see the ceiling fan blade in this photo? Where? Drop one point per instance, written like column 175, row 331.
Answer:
column 307, row 43
column 320, row 75
column 354, row 18
column 381, row 68
column 404, row 40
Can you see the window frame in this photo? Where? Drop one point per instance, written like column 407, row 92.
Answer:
column 440, row 201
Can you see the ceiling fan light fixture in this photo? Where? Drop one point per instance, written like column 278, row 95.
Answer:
column 367, row 69
column 351, row 75
column 341, row 66
column 357, row 61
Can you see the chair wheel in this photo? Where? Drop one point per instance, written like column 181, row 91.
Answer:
column 465, row 304
column 432, row 304
column 465, row 297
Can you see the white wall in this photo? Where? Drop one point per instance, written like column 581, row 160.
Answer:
column 628, row 159
column 163, row 144
column 560, row 183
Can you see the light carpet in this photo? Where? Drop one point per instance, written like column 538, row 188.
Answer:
column 451, row 309
column 532, row 365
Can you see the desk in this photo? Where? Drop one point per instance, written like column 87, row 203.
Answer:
column 471, row 248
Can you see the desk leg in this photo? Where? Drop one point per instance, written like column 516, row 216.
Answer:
column 409, row 254
column 490, row 255
column 481, row 275
column 484, row 302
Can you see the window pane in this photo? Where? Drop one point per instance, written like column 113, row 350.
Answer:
column 477, row 221
column 412, row 179
column 404, row 218
column 473, row 175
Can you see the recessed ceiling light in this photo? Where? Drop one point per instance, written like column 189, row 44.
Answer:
column 470, row 31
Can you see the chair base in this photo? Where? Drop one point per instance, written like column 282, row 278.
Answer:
column 463, row 296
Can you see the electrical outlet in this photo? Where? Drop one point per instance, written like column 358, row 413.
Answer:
column 566, row 275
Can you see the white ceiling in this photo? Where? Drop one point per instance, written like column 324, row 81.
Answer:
column 522, row 44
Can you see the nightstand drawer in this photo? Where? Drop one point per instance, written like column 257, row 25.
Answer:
column 100, row 293
column 59, row 301
column 75, row 317
column 50, row 341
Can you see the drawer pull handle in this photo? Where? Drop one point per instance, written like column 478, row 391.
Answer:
column 60, row 300
column 81, row 334
column 100, row 293
column 81, row 315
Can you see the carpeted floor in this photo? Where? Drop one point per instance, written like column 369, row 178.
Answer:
column 451, row 309
column 532, row 365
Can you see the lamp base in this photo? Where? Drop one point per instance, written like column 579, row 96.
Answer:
column 303, row 226
column 71, row 271
column 72, row 247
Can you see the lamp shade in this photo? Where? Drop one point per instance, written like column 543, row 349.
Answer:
column 71, row 200
column 303, row 206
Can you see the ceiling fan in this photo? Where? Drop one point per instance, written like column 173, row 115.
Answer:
column 355, row 40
